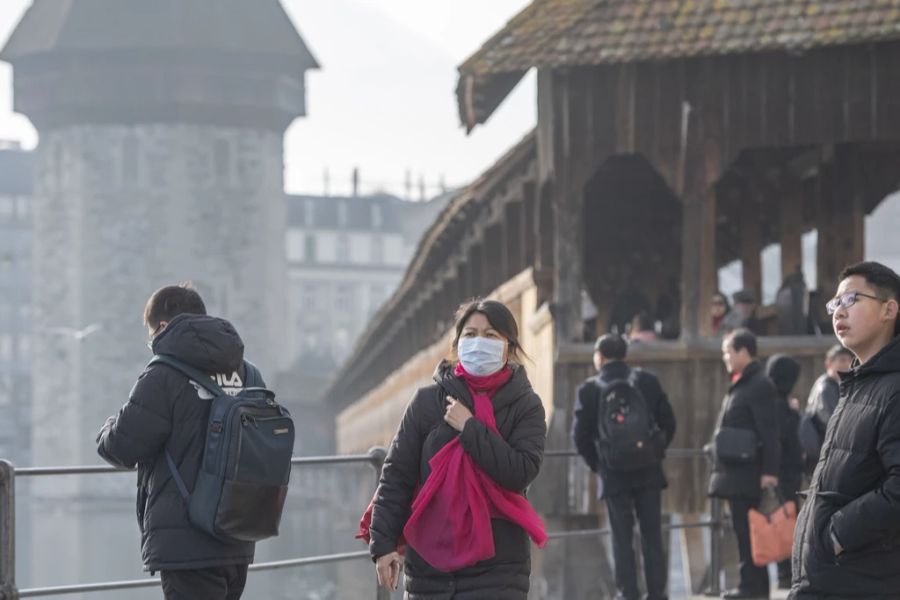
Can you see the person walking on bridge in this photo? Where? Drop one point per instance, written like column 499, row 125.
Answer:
column 623, row 425
column 166, row 416
column 452, row 487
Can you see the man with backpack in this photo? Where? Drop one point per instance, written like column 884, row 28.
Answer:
column 189, row 417
column 623, row 424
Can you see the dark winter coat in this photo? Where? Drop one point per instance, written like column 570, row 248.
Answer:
column 586, row 427
column 750, row 404
column 823, row 399
column 855, row 492
column 512, row 459
column 784, row 371
column 164, row 412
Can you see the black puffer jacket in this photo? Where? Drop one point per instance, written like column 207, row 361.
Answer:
column 164, row 412
column 855, row 492
column 586, row 428
column 512, row 460
column 750, row 404
column 784, row 371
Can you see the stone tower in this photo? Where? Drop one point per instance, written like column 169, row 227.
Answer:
column 160, row 160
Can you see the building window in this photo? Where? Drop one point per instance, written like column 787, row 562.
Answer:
column 343, row 298
column 343, row 249
column 308, row 295
column 377, row 255
column 222, row 160
column 309, row 213
column 309, row 250
column 377, row 216
column 130, row 167
column 6, row 347
column 7, row 207
column 294, row 245
column 342, row 214
column 23, row 208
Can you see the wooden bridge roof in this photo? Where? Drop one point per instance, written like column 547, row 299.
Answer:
column 559, row 33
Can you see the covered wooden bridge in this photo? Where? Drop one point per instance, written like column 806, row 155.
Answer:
column 673, row 138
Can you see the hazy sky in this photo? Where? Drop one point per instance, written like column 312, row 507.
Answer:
column 384, row 99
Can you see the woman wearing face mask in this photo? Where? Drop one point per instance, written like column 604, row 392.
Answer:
column 479, row 430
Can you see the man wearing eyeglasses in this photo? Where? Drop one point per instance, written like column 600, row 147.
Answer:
column 847, row 540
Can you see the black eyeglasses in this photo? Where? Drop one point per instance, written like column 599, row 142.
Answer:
column 847, row 300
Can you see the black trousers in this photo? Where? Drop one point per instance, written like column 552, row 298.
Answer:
column 215, row 583
column 646, row 503
column 752, row 578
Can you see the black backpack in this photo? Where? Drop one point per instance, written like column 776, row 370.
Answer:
column 630, row 439
column 242, row 484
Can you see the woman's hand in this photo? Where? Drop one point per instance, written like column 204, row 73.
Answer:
column 456, row 414
column 387, row 567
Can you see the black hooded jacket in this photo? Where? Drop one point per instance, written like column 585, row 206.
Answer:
column 586, row 428
column 855, row 492
column 511, row 459
column 784, row 371
column 750, row 404
column 164, row 412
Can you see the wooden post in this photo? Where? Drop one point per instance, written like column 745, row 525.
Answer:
column 827, row 267
column 515, row 246
column 791, row 208
column 529, row 221
column 701, row 170
column 751, row 241
column 476, row 271
column 495, row 270
column 848, row 206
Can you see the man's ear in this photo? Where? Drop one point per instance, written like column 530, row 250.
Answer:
column 891, row 309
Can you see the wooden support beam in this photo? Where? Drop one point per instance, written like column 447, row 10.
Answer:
column 494, row 257
column 827, row 260
column 529, row 221
column 751, row 241
column 702, row 166
column 514, row 251
column 791, row 208
column 476, row 271
column 850, row 206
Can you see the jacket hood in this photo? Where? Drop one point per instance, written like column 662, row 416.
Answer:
column 207, row 343
column 517, row 386
column 886, row 361
column 784, row 372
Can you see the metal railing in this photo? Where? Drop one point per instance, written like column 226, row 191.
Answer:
column 715, row 523
column 9, row 474
column 375, row 457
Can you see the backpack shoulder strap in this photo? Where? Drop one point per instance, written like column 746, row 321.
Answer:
column 252, row 376
column 197, row 376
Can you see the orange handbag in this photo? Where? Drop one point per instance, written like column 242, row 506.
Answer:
column 772, row 535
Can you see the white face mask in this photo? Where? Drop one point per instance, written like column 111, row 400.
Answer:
column 481, row 356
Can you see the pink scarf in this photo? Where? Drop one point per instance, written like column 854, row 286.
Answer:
column 450, row 524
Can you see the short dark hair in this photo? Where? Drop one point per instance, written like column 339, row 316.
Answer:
column 611, row 346
column 885, row 281
column 500, row 318
column 168, row 302
column 742, row 338
column 836, row 351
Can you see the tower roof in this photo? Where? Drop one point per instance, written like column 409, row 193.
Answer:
column 257, row 27
column 224, row 62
